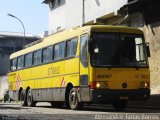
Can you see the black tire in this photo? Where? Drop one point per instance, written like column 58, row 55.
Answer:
column 23, row 99
column 120, row 105
column 73, row 100
column 30, row 101
column 67, row 99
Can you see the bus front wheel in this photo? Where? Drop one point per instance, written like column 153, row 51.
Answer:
column 30, row 101
column 120, row 104
column 73, row 100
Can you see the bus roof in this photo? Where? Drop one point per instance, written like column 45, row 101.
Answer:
column 70, row 33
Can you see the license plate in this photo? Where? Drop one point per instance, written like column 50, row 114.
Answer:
column 123, row 98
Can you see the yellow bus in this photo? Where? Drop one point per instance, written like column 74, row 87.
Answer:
column 94, row 64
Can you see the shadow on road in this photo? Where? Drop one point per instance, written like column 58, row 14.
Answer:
column 95, row 108
column 109, row 108
column 11, row 106
column 129, row 109
column 7, row 104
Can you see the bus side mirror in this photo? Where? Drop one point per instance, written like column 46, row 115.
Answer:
column 148, row 50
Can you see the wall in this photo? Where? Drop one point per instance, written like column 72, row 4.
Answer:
column 152, row 34
column 57, row 18
column 70, row 14
column 73, row 13
column 149, row 10
column 97, row 8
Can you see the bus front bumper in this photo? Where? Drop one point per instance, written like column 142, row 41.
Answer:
column 108, row 96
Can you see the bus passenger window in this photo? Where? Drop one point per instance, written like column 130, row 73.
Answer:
column 59, row 51
column 68, row 48
column 37, row 57
column 44, row 55
column 84, row 57
column 28, row 60
column 47, row 54
column 14, row 64
column 71, row 47
column 20, row 62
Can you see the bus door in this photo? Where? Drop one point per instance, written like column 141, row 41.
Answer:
column 84, row 71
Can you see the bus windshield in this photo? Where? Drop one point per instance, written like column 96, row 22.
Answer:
column 117, row 49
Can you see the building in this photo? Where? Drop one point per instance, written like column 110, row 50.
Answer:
column 11, row 42
column 66, row 14
column 142, row 14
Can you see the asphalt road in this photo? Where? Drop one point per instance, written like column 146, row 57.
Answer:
column 44, row 111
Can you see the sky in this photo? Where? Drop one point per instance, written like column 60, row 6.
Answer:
column 32, row 13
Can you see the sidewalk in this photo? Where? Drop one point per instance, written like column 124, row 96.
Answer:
column 153, row 101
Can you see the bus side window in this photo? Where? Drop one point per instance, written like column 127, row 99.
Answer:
column 13, row 64
column 28, row 60
column 83, row 56
column 44, row 55
column 20, row 62
column 47, row 54
column 59, row 51
column 72, row 47
column 68, row 54
column 37, row 57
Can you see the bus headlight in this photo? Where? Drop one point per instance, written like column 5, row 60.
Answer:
column 144, row 84
column 101, row 85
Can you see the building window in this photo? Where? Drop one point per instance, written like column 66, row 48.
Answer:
column 59, row 2
column 51, row 5
column 56, row 3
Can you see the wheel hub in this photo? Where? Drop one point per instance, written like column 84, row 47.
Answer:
column 73, row 98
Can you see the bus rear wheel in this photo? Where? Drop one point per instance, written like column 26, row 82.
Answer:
column 120, row 104
column 73, row 100
column 30, row 101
